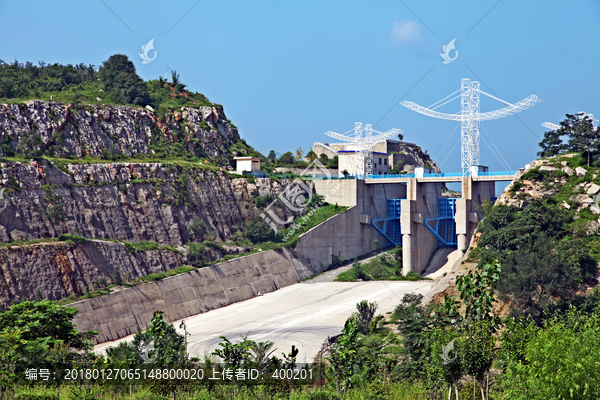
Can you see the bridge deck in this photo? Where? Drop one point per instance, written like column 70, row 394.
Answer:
column 490, row 178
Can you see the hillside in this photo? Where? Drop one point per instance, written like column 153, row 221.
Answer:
column 545, row 231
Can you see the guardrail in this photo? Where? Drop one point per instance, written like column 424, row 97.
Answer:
column 390, row 176
column 496, row 173
column 382, row 176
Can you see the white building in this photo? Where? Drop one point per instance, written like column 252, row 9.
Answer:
column 247, row 164
column 347, row 162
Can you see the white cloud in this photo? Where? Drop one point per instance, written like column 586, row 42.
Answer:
column 404, row 32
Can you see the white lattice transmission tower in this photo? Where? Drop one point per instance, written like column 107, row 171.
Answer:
column 470, row 116
column 363, row 139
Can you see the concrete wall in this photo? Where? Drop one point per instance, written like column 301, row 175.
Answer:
column 418, row 243
column 122, row 313
column 469, row 209
column 337, row 191
column 349, row 234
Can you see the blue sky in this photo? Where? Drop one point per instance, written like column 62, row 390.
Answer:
column 287, row 71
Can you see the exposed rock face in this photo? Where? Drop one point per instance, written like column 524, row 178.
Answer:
column 410, row 156
column 125, row 201
column 77, row 130
column 57, row 270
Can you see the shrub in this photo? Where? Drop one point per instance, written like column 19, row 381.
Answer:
column 257, row 230
column 73, row 238
column 559, row 362
column 365, row 312
column 36, row 396
column 129, row 247
column 145, row 246
column 198, row 255
column 198, row 228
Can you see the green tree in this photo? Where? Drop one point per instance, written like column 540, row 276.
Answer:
column 44, row 320
column 257, row 230
column 311, row 155
column 120, row 79
column 552, row 144
column 333, row 163
column 286, row 158
column 477, row 293
column 176, row 79
column 299, row 154
column 261, row 353
column 343, row 356
column 323, row 158
column 444, row 367
column 235, row 355
column 398, row 167
column 365, row 312
column 581, row 132
column 560, row 361
column 538, row 274
column 7, row 87
column 477, row 351
column 417, row 323
column 272, row 156
column 169, row 346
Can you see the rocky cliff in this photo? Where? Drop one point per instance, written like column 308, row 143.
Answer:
column 60, row 269
column 123, row 201
column 70, row 186
column 126, row 201
column 69, row 130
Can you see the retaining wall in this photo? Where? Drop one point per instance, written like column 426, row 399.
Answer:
column 125, row 312
column 350, row 233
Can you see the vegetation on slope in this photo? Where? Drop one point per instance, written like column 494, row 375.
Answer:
column 386, row 266
column 116, row 82
column 550, row 248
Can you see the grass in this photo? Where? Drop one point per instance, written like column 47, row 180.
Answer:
column 386, row 266
column 145, row 246
column 102, row 391
column 312, row 276
column 61, row 163
column 162, row 275
column 309, row 221
column 19, row 243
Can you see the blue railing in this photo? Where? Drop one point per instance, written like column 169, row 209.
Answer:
column 496, row 173
column 390, row 176
column 382, row 176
